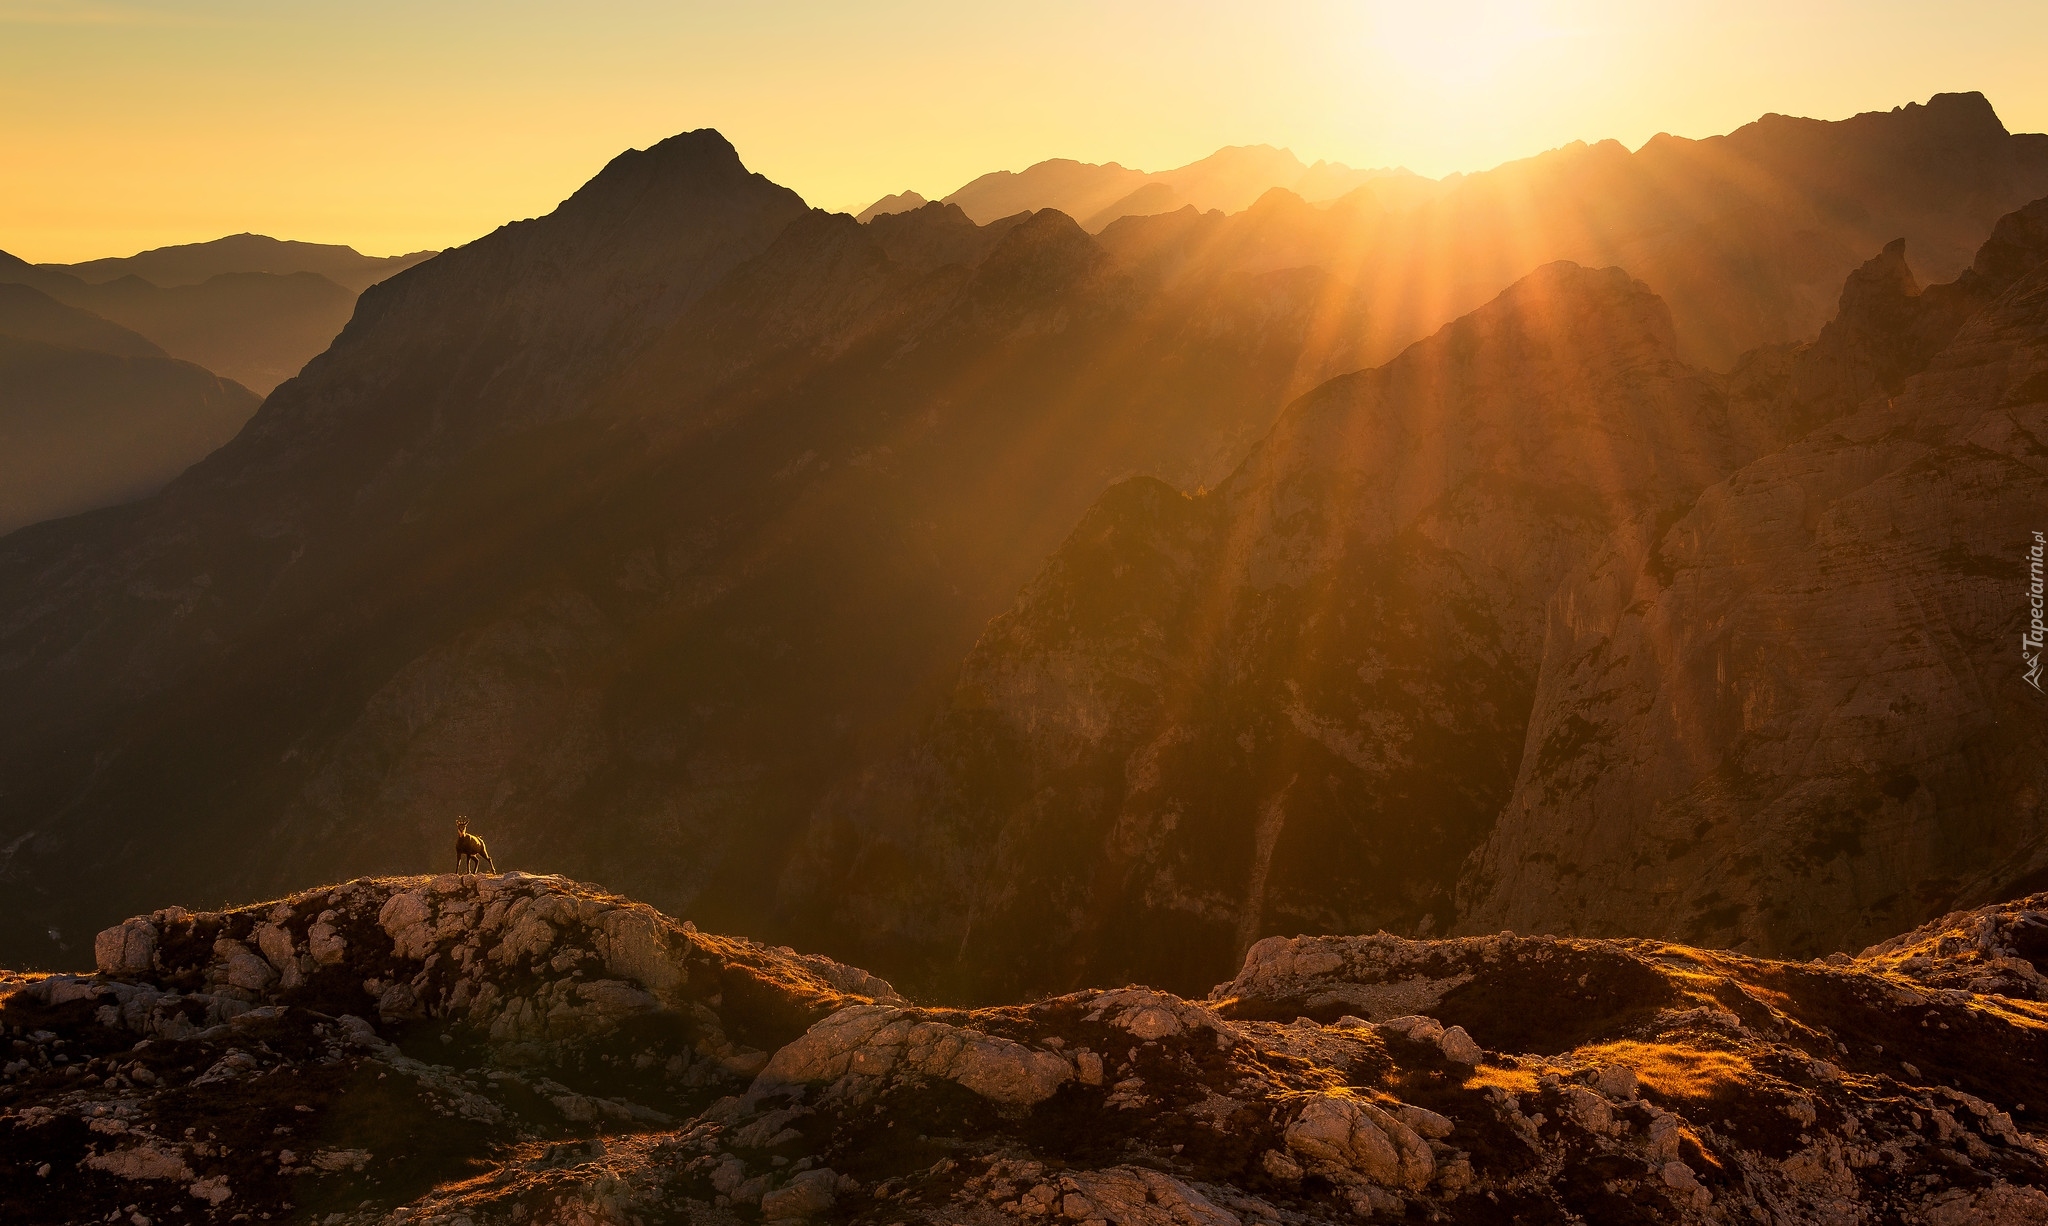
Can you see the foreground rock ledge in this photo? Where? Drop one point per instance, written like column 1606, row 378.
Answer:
column 519, row 1049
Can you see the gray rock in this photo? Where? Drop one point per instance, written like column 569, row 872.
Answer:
column 1459, row 1047
column 807, row 1195
column 125, row 949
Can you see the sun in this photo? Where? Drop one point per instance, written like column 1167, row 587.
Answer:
column 1461, row 45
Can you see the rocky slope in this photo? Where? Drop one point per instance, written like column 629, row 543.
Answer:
column 1299, row 700
column 1293, row 701
column 1796, row 717
column 517, row 1049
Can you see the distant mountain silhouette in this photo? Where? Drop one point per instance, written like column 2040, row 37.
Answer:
column 193, row 263
column 258, row 328
column 31, row 315
column 247, row 306
column 901, row 202
column 92, row 414
column 1227, row 180
column 1748, row 236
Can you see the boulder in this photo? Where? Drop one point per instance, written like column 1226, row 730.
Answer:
column 806, row 1195
column 876, row 1040
column 125, row 949
column 1459, row 1047
column 1339, row 1134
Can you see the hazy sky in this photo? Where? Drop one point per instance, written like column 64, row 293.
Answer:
column 127, row 124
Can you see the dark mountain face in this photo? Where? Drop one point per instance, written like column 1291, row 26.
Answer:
column 92, row 414
column 622, row 531
column 1801, row 710
column 31, row 315
column 1293, row 702
column 1299, row 701
column 195, row 263
column 80, row 430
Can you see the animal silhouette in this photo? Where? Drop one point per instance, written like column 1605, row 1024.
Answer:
column 469, row 849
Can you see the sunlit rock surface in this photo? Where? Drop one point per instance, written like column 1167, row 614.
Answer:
column 1535, row 627
column 1795, row 717
column 532, row 1050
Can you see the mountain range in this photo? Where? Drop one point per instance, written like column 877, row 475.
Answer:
column 1228, row 181
column 250, row 308
column 119, row 374
column 1010, row 606
column 197, row 263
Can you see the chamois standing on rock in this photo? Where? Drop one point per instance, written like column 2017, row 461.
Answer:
column 469, row 849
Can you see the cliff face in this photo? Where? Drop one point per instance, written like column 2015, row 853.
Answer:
column 1294, row 701
column 1298, row 701
column 530, row 1050
column 1797, row 718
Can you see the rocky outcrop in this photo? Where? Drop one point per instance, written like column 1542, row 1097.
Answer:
column 1797, row 718
column 532, row 1051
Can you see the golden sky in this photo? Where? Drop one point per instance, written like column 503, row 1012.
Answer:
column 127, row 124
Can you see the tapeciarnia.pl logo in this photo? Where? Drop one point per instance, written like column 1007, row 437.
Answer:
column 2031, row 638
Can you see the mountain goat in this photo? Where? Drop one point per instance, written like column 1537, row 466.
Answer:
column 469, row 849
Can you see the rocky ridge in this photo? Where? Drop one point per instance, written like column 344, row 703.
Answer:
column 530, row 1050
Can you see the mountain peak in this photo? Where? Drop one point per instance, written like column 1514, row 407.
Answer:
column 900, row 202
column 1969, row 109
column 697, row 164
